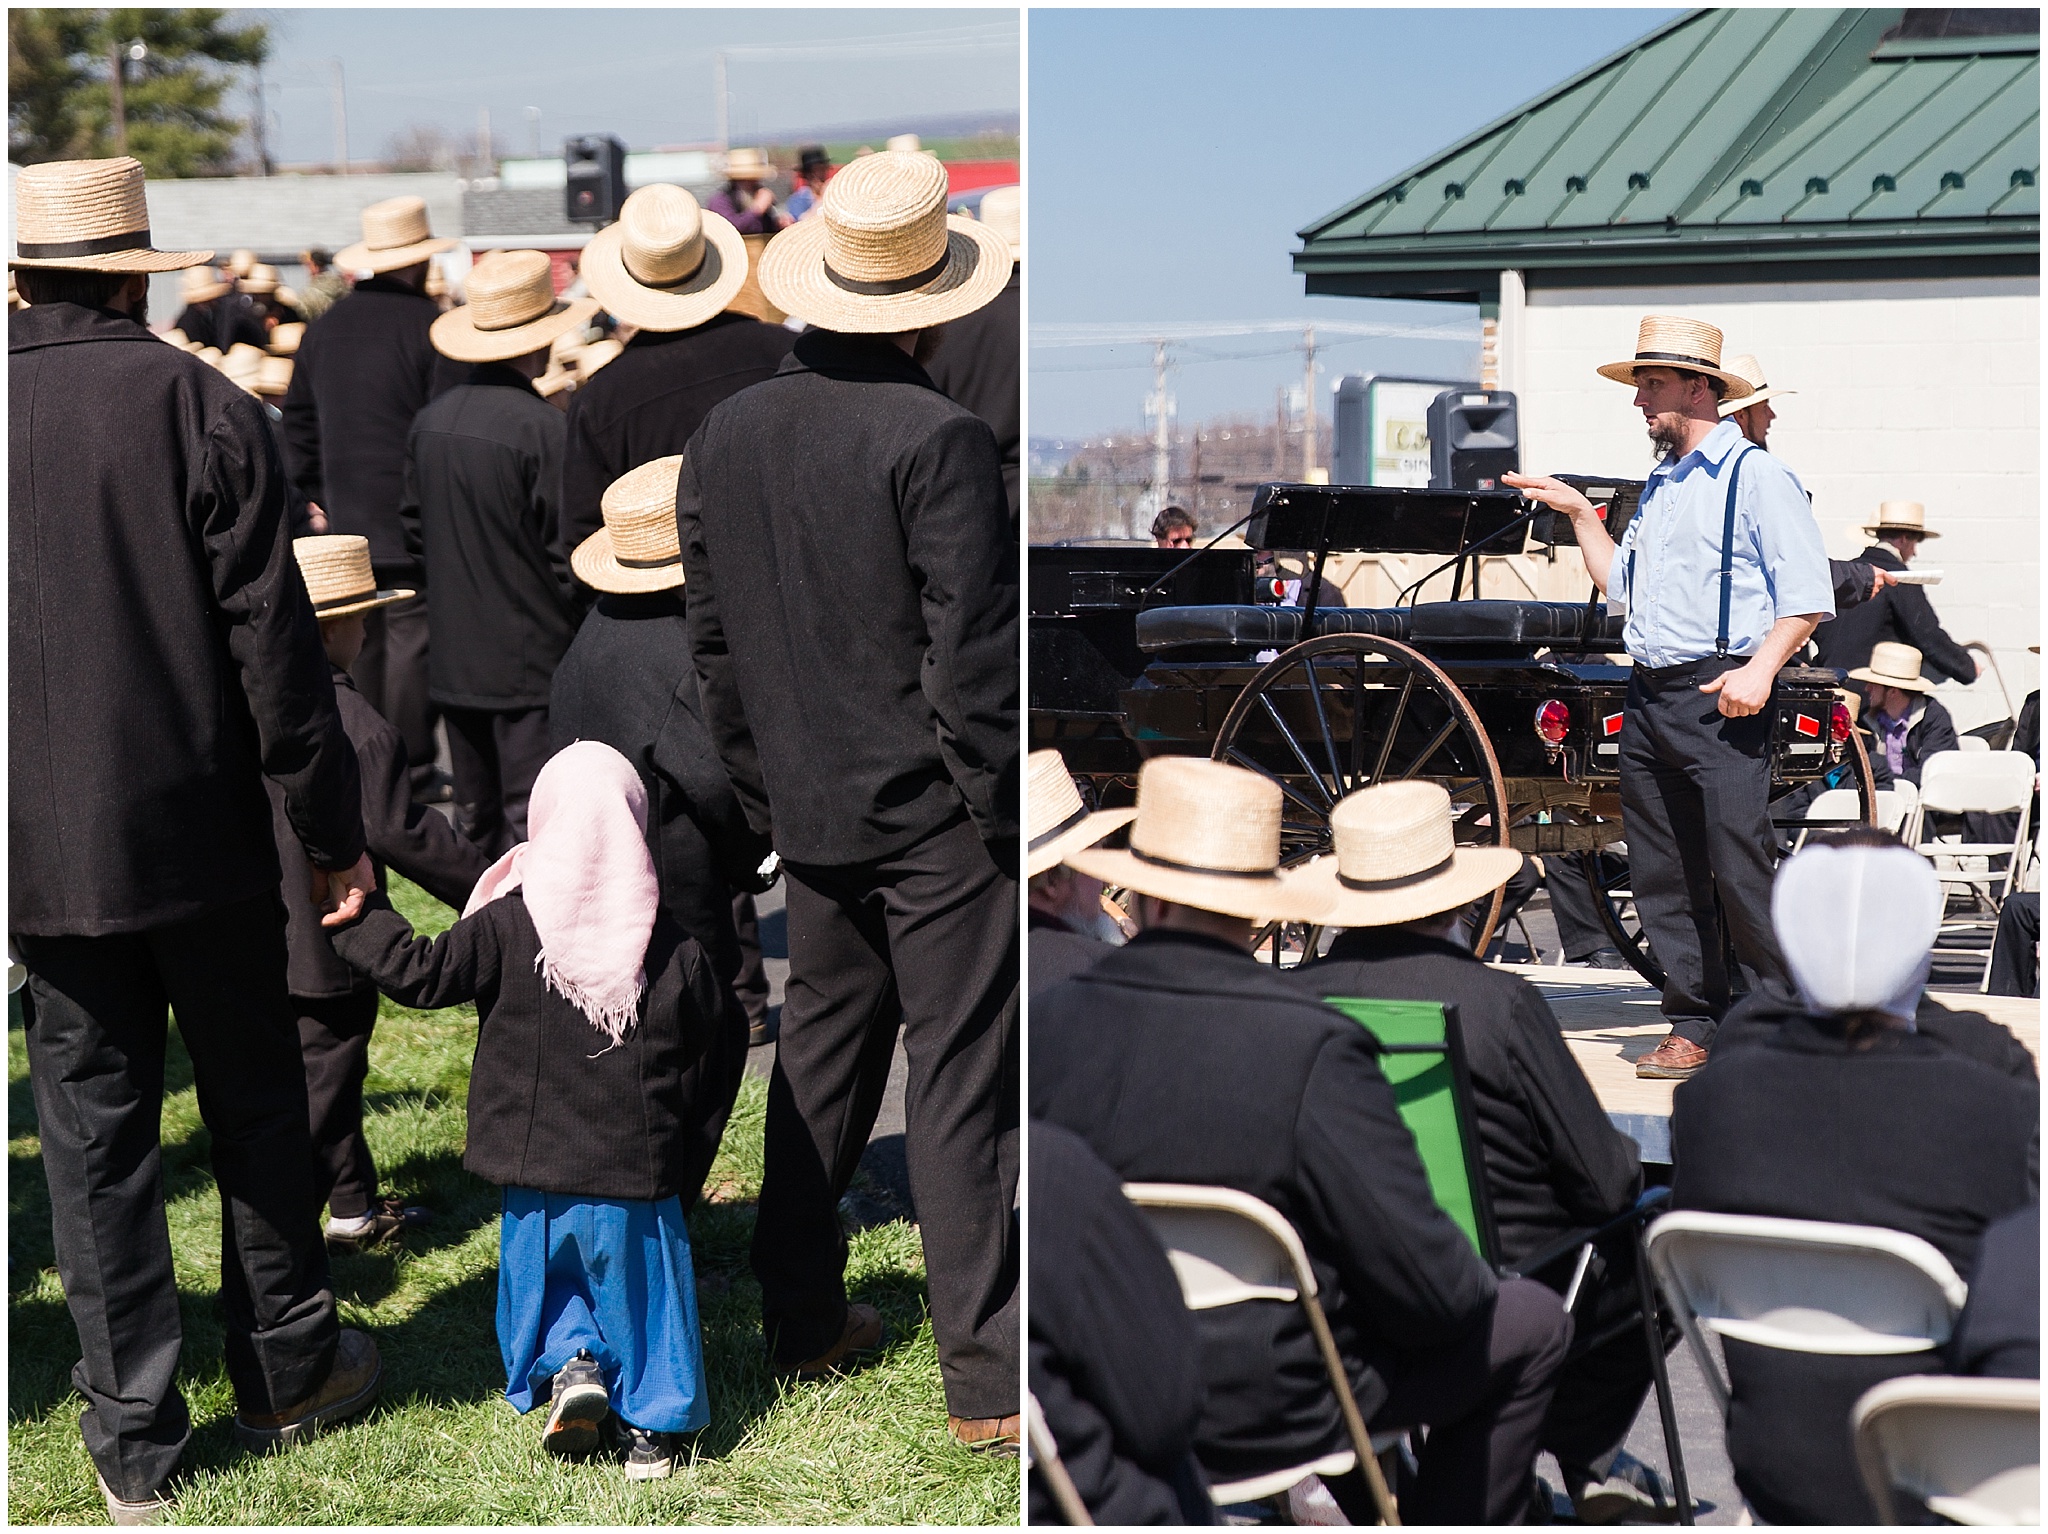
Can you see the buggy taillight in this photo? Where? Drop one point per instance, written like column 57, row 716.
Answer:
column 1553, row 722
column 1839, row 723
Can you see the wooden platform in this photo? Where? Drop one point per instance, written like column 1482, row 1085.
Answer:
column 1610, row 1022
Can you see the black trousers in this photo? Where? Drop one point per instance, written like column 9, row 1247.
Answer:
column 1601, row 1389
column 2016, row 951
column 334, row 1041
column 924, row 941
column 750, row 985
column 94, row 1009
column 391, row 672
column 1483, row 1400
column 496, row 756
column 1579, row 927
column 1695, row 794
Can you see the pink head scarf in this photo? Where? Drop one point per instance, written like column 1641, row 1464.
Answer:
column 588, row 881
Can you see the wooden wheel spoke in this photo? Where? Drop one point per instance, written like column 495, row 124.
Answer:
column 1358, row 731
column 1315, row 693
column 1379, row 767
column 1436, row 742
column 1277, row 781
column 1301, row 756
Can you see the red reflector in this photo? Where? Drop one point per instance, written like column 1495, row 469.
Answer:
column 1839, row 723
column 1806, row 724
column 1553, row 721
column 1611, row 725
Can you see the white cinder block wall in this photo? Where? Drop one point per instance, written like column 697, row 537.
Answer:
column 1924, row 390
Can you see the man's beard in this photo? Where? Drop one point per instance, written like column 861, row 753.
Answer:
column 1665, row 436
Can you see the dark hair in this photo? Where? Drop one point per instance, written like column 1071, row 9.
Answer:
column 1169, row 519
column 319, row 258
column 68, row 285
column 1718, row 385
column 1855, row 836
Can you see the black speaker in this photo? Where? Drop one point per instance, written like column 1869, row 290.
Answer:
column 596, row 183
column 1474, row 438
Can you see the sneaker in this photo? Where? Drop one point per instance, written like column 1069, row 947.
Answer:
column 650, row 1456
column 154, row 1508
column 581, row 1403
column 1631, row 1490
column 350, row 1387
column 862, row 1333
column 1675, row 1059
column 996, row 1436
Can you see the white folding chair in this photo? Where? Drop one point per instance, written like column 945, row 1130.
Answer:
column 1973, row 743
column 1968, row 1449
column 1229, row 1248
column 1987, row 782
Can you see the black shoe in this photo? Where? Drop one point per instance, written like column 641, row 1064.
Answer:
column 764, row 1031
column 650, row 1456
column 581, row 1403
column 1603, row 958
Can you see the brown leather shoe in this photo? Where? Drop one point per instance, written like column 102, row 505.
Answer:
column 862, row 1331
column 1673, row 1060
column 350, row 1387
column 992, row 1435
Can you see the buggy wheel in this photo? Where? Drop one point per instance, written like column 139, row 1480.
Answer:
column 1342, row 712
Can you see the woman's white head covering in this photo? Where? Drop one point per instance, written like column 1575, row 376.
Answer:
column 1857, row 925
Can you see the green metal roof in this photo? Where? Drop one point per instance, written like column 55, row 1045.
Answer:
column 1725, row 143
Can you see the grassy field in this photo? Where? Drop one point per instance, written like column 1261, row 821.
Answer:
column 443, row 1446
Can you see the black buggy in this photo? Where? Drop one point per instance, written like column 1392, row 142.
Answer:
column 1514, row 707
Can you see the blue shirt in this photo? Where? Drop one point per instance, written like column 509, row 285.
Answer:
column 800, row 202
column 1667, row 568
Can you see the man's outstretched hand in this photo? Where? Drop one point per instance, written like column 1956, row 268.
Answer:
column 1554, row 493
column 340, row 894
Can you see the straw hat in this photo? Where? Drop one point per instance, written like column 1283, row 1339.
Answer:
column 905, row 143
column 1750, row 371
column 336, row 568
column 436, row 285
column 284, row 340
column 89, row 216
column 287, row 296
column 883, row 255
column 512, row 310
column 595, row 356
column 210, row 355
column 1397, row 860
column 1206, row 834
column 1056, row 821
column 203, row 284
column 747, row 165
column 242, row 262
column 260, row 279
column 1003, row 211
column 395, row 235
column 177, row 338
column 1900, row 517
column 1893, row 665
column 750, row 300
column 1671, row 341
column 666, row 264
column 275, row 377
column 636, row 549
column 243, row 365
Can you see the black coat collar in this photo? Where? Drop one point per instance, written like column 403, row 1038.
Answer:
column 854, row 358
column 64, row 324
column 499, row 375
column 1380, row 943
column 644, row 339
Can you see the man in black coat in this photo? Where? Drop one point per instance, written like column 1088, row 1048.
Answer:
column 363, row 371
column 1834, row 1110
column 979, row 364
column 670, row 270
column 162, row 662
column 853, row 609
column 483, row 484
column 1115, row 1362
column 1180, row 1058
column 1900, row 614
column 1064, row 906
column 1555, row 1164
column 214, row 313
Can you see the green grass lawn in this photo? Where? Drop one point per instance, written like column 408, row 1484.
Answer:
column 442, row 1446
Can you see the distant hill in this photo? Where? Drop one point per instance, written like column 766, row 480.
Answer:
column 938, row 125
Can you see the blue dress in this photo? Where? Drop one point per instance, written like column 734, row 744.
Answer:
column 612, row 1276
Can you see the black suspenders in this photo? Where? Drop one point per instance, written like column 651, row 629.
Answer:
column 1727, row 548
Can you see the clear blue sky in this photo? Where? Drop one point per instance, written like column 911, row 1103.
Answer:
column 1173, row 153
column 645, row 75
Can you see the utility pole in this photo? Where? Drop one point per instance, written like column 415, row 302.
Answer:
column 1308, row 405
column 117, row 86
column 340, row 120
column 262, row 128
column 1195, row 481
column 486, row 165
column 721, row 101
column 1162, row 439
column 533, row 131
column 1279, row 432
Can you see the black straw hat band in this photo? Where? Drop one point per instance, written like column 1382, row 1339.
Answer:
column 1211, row 873
column 1374, row 886
column 1698, row 362
column 893, row 284
column 134, row 239
column 1045, row 838
column 648, row 564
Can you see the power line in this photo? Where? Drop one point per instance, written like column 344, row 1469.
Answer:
column 1056, row 335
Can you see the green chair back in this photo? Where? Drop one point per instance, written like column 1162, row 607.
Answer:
column 1425, row 1064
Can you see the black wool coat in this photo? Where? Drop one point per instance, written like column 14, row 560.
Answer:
column 415, row 840
column 978, row 366
column 648, row 402
column 221, row 322
column 852, row 596
column 162, row 655
column 1756, row 1017
column 364, row 369
column 627, row 681
column 1115, row 1362
column 483, row 482
column 1901, row 614
column 1555, row 1163
column 552, row 1105
column 1057, row 952
column 1180, row 1059
column 1999, row 1331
